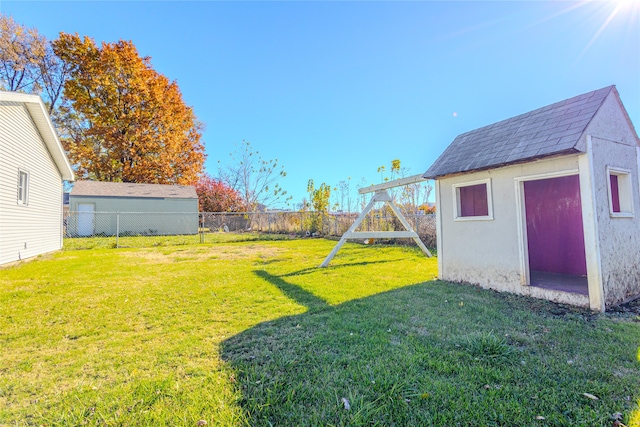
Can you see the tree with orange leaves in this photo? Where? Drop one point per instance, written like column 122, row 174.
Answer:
column 122, row 120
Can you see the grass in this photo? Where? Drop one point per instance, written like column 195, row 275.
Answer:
column 254, row 333
column 104, row 242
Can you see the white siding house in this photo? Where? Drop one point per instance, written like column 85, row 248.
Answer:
column 545, row 204
column 32, row 167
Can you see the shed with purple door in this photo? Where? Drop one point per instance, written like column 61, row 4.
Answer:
column 545, row 204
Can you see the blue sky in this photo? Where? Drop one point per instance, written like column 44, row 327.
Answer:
column 336, row 89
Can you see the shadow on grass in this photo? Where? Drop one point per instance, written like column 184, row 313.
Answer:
column 296, row 293
column 336, row 265
column 403, row 358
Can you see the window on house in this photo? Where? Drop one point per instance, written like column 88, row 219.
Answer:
column 23, row 187
column 620, row 192
column 473, row 200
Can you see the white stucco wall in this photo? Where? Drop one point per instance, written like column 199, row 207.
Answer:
column 35, row 228
column 489, row 253
column 614, row 145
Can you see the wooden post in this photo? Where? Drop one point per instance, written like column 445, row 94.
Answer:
column 350, row 231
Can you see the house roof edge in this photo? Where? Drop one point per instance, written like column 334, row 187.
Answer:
column 516, row 162
column 36, row 108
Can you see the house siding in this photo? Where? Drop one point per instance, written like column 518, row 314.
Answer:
column 614, row 145
column 140, row 215
column 35, row 228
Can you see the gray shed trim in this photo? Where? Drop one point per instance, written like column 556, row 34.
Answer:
column 548, row 131
column 127, row 189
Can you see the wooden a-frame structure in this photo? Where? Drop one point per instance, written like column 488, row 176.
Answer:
column 380, row 195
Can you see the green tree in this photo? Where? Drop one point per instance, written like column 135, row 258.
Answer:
column 319, row 201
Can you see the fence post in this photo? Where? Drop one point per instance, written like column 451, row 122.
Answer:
column 201, row 220
column 117, row 229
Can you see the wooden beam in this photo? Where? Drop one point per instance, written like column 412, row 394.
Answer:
column 381, row 235
column 391, row 184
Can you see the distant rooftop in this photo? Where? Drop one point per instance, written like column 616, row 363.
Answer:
column 127, row 189
column 551, row 130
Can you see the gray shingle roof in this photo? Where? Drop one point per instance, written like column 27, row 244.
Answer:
column 551, row 130
column 127, row 189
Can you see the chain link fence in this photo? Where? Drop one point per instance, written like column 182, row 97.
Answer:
column 125, row 229
column 317, row 224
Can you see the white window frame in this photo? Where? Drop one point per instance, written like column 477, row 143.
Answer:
column 457, row 216
column 23, row 187
column 625, row 192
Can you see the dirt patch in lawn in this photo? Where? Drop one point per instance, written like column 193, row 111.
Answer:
column 229, row 252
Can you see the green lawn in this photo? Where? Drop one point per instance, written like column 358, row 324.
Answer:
column 254, row 333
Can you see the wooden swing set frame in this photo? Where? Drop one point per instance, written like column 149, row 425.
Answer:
column 381, row 195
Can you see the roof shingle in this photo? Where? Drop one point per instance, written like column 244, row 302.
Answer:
column 550, row 130
column 127, row 189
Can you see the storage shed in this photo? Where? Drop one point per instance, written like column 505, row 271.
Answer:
column 32, row 167
column 122, row 208
column 545, row 204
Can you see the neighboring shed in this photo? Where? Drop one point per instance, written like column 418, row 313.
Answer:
column 545, row 204
column 110, row 208
column 32, row 167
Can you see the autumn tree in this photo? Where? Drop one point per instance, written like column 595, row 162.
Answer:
column 54, row 74
column 20, row 51
column 216, row 196
column 254, row 178
column 123, row 121
column 28, row 63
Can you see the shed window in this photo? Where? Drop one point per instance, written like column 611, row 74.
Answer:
column 615, row 193
column 473, row 200
column 23, row 187
column 620, row 193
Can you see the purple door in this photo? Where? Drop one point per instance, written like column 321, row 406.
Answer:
column 554, row 226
